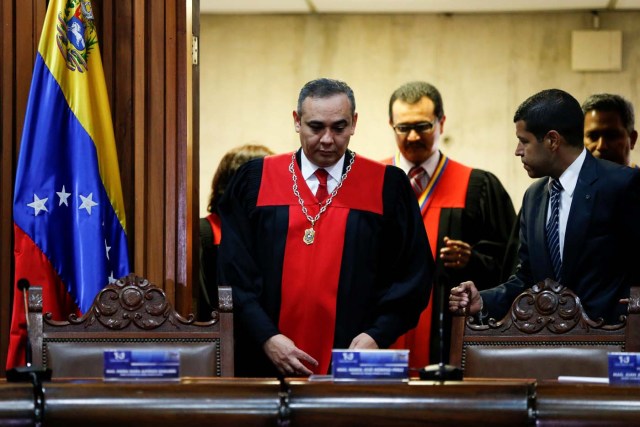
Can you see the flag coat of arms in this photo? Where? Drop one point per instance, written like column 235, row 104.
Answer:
column 68, row 210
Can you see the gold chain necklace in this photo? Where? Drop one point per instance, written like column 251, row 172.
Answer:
column 310, row 233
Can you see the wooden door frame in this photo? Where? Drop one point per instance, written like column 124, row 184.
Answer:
column 153, row 93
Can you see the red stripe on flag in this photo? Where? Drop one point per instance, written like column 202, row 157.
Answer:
column 33, row 265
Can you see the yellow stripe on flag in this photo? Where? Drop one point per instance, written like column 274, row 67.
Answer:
column 85, row 91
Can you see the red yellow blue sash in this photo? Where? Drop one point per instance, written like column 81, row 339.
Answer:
column 425, row 197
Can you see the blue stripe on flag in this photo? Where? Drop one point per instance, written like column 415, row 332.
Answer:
column 57, row 152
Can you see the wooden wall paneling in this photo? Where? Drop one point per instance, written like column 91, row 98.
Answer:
column 192, row 125
column 179, row 82
column 187, row 219
column 167, row 170
column 103, row 18
column 114, row 21
column 7, row 114
column 172, row 161
column 179, row 47
column 139, row 132
column 161, row 218
column 122, row 50
column 155, row 147
column 21, row 29
column 164, row 181
column 145, row 60
column 28, row 27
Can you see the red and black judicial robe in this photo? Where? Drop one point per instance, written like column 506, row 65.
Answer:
column 210, row 236
column 469, row 205
column 214, row 222
column 365, row 271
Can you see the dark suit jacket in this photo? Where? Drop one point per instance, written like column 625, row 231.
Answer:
column 601, row 249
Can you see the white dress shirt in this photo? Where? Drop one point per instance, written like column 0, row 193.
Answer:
column 568, row 179
column 308, row 170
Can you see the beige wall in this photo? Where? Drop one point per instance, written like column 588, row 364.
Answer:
column 252, row 68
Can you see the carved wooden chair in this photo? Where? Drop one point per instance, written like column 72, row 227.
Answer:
column 545, row 334
column 131, row 314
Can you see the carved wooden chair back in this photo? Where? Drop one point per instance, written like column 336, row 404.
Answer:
column 545, row 334
column 131, row 314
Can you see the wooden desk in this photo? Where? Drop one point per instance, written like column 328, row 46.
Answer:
column 197, row 402
column 16, row 404
column 563, row 404
column 503, row 403
column 257, row 402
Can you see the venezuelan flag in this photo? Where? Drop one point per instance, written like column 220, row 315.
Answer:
column 69, row 219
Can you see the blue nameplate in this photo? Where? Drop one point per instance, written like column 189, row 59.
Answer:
column 141, row 365
column 370, row 364
column 624, row 368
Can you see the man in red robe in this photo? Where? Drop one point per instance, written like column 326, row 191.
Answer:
column 323, row 248
column 467, row 213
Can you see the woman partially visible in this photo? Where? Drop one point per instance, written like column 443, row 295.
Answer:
column 207, row 297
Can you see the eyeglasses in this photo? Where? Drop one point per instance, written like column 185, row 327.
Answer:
column 422, row 127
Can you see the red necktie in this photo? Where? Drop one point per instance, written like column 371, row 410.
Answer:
column 322, row 192
column 416, row 174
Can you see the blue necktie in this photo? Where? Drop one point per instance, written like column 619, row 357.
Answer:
column 553, row 228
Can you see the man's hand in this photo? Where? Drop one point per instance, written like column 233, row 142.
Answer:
column 455, row 253
column 465, row 295
column 287, row 357
column 363, row 342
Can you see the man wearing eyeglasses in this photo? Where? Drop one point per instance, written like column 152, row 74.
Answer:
column 467, row 212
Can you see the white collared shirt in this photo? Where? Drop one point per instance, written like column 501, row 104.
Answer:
column 429, row 165
column 308, row 170
column 569, row 180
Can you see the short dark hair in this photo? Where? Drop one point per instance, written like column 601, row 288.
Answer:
column 413, row 92
column 325, row 88
column 553, row 109
column 614, row 104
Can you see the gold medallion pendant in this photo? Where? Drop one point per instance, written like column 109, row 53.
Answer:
column 309, row 235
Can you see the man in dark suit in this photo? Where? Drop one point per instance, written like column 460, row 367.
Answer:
column 597, row 227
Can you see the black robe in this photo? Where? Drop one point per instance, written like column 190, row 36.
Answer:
column 485, row 223
column 469, row 205
column 385, row 273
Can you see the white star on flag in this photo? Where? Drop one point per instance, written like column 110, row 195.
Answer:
column 87, row 203
column 64, row 196
column 107, row 247
column 38, row 204
column 112, row 279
